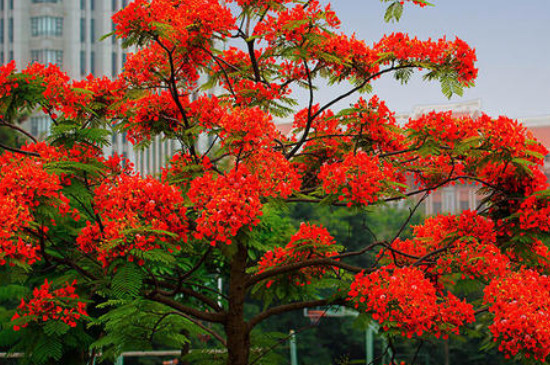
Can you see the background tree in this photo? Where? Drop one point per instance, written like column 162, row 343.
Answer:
column 121, row 261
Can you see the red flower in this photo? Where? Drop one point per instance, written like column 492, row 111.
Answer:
column 310, row 242
column 225, row 204
column 405, row 300
column 149, row 208
column 61, row 304
column 520, row 302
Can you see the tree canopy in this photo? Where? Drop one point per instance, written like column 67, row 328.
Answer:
column 97, row 259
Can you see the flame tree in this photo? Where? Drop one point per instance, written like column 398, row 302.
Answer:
column 122, row 261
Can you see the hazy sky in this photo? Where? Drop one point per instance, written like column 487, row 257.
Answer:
column 512, row 40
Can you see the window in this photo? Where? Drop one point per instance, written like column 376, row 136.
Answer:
column 11, row 56
column 449, row 199
column 1, row 4
column 11, row 4
column 47, row 56
column 124, row 3
column 113, row 37
column 154, row 156
column 2, row 30
column 436, row 208
column 83, row 62
column 48, row 26
column 45, row 1
column 2, row 57
column 114, row 65
column 92, row 62
column 10, row 29
column 92, row 4
column 82, row 30
column 92, row 30
column 113, row 5
column 82, row 4
column 40, row 126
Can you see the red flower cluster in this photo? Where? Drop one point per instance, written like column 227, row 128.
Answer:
column 225, row 204
column 534, row 214
column 15, row 244
column 495, row 143
column 7, row 84
column 277, row 177
column 375, row 124
column 25, row 184
column 438, row 53
column 183, row 169
column 58, row 94
column 310, row 242
column 404, row 299
column 241, row 80
column 101, row 94
column 261, row 4
column 61, row 304
column 520, row 302
column 189, row 22
column 289, row 25
column 207, row 110
column 77, row 98
column 359, row 179
column 150, row 208
column 152, row 114
column 463, row 244
column 443, row 129
column 244, row 130
column 326, row 140
column 180, row 32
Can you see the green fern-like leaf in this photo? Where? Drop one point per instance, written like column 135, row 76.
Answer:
column 127, row 282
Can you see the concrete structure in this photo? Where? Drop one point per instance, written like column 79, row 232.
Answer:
column 62, row 32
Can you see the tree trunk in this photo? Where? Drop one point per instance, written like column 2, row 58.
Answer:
column 447, row 352
column 236, row 328
column 185, row 350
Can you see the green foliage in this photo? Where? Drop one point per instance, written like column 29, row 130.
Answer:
column 140, row 324
column 68, row 132
column 395, row 10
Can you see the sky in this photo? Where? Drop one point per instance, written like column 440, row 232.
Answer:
column 511, row 38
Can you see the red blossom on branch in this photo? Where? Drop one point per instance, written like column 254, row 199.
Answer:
column 45, row 305
column 309, row 242
column 520, row 303
column 404, row 299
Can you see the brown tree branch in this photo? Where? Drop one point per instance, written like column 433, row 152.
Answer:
column 17, row 150
column 177, row 289
column 324, row 261
column 195, row 313
column 19, row 129
column 197, row 323
column 310, row 116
